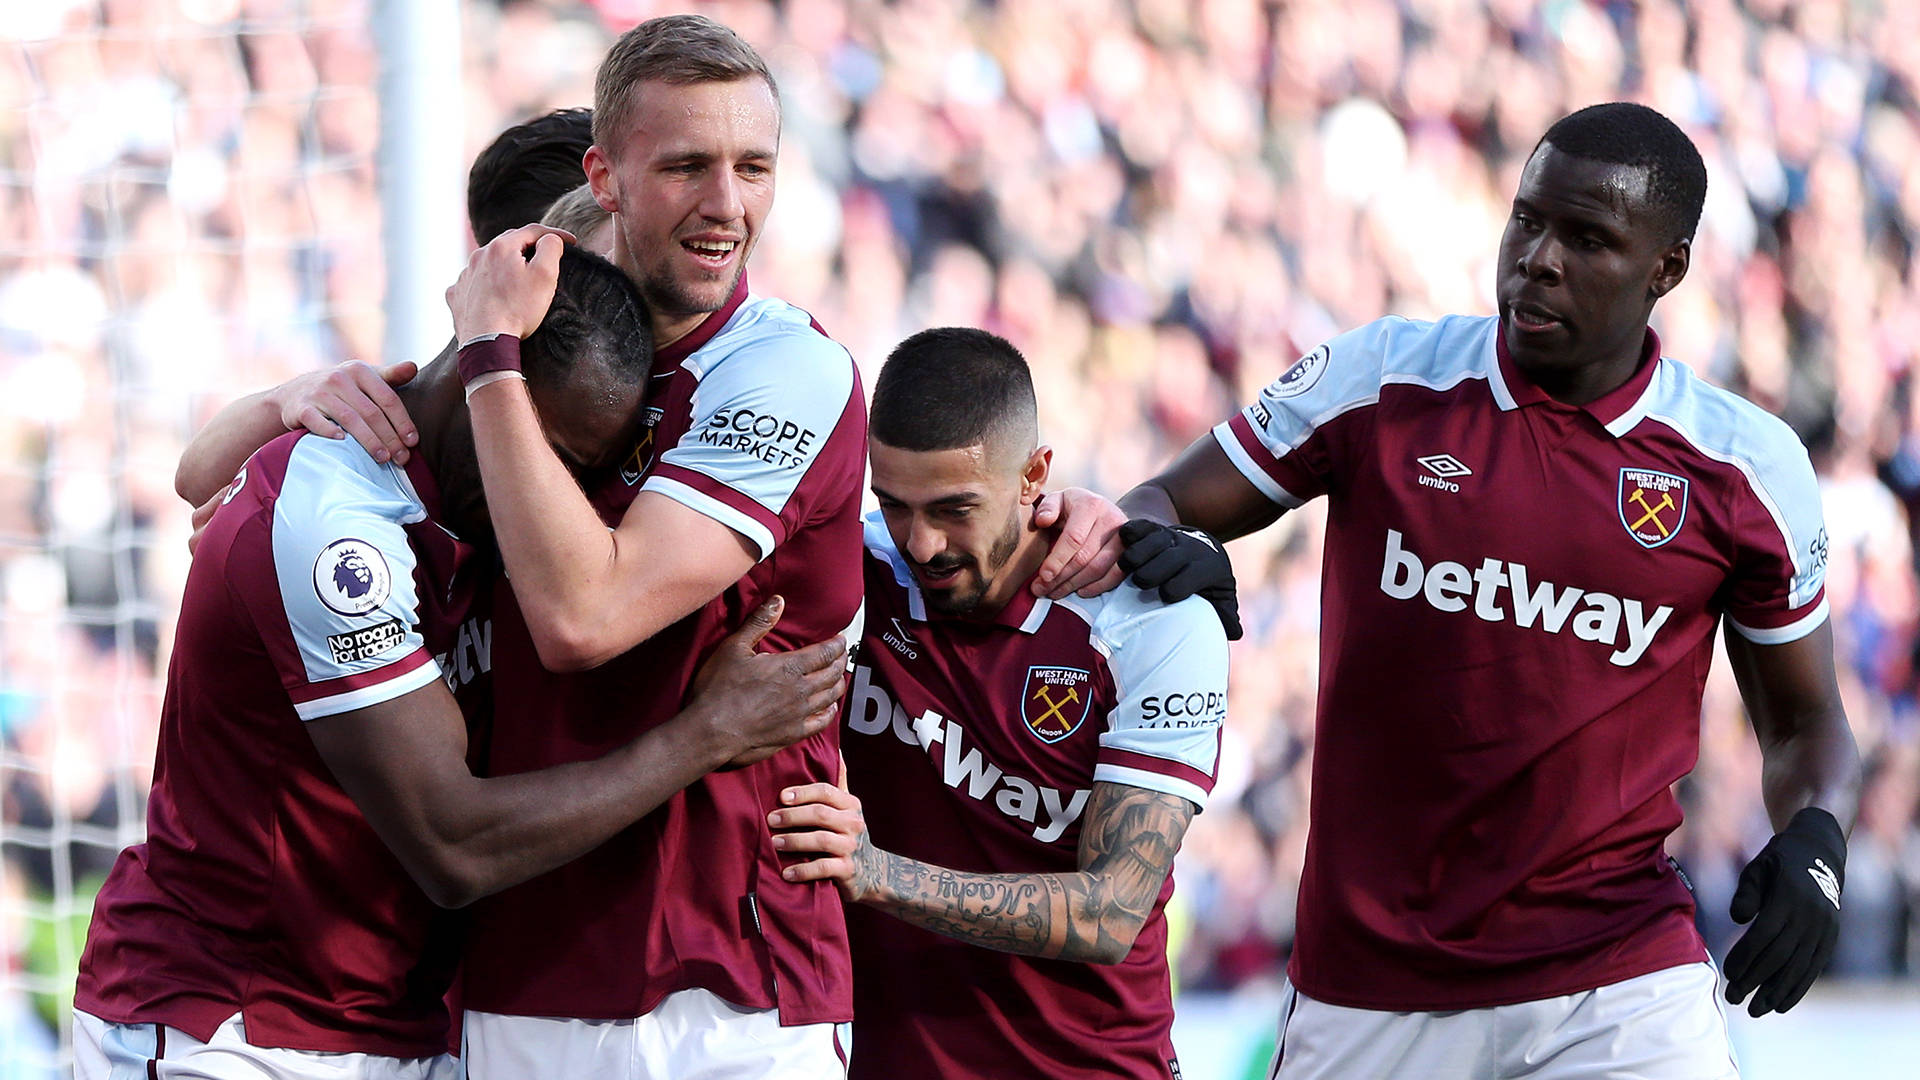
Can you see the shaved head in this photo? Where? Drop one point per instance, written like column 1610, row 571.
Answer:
column 957, row 387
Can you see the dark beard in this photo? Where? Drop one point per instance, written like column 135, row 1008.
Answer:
column 997, row 557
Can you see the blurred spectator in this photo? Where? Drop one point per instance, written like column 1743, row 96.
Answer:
column 1161, row 202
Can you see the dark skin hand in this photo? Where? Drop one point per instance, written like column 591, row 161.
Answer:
column 462, row 837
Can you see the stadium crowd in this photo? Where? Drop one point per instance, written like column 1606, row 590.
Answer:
column 1162, row 203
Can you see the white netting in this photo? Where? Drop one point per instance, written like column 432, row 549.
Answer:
column 178, row 179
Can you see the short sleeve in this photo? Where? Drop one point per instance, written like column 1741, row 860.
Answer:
column 1777, row 592
column 777, row 424
column 1273, row 442
column 337, row 603
column 1169, row 667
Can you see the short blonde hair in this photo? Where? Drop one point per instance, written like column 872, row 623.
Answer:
column 577, row 211
column 674, row 49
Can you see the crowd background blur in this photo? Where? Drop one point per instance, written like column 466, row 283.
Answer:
column 1162, row 202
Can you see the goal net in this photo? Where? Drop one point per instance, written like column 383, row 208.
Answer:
column 177, row 182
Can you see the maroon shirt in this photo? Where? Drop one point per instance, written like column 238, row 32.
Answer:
column 763, row 427
column 973, row 745
column 322, row 585
column 1543, row 582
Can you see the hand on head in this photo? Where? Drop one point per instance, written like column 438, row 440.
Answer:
column 503, row 289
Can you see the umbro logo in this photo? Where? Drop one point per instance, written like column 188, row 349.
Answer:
column 900, row 641
column 1443, row 467
column 1829, row 884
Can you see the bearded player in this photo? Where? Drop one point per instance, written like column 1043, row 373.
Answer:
column 1022, row 770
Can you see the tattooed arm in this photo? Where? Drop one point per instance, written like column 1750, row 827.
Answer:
column 1127, row 844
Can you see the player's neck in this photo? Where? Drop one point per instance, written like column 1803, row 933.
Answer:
column 437, row 403
column 669, row 329
column 1585, row 383
column 1013, row 578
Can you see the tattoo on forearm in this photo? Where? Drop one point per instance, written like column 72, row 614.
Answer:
column 1127, row 847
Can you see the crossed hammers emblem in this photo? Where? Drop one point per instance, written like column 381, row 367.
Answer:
column 1652, row 512
column 1054, row 707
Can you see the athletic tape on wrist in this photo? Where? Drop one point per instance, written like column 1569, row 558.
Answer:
column 489, row 378
column 488, row 353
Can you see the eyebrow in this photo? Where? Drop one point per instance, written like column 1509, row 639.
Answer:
column 956, row 499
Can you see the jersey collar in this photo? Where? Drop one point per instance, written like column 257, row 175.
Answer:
column 1618, row 410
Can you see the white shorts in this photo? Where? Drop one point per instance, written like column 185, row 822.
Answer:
column 104, row 1051
column 1666, row 1025
column 691, row 1035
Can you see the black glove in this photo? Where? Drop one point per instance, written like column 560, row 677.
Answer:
column 1791, row 893
column 1181, row 562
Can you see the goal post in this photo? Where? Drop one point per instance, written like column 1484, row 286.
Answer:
column 422, row 184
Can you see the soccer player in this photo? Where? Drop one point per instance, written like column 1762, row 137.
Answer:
column 1022, row 769
column 1536, row 523
column 676, row 947
column 312, row 800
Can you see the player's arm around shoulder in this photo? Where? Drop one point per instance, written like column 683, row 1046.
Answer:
column 1236, row 479
column 350, row 399
column 1272, row 455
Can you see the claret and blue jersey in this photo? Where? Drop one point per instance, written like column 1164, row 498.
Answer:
column 1544, row 581
column 974, row 745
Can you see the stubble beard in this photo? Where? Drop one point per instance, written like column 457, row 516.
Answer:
column 668, row 294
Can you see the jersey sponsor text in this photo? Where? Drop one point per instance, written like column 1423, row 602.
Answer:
column 964, row 768
column 1447, row 585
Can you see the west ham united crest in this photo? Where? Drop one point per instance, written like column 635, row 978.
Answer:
column 1055, row 701
column 642, row 456
column 1653, row 505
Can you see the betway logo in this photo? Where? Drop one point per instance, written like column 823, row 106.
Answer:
column 963, row 768
column 1447, row 585
column 471, row 655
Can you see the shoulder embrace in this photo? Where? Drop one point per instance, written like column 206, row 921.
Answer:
column 1132, row 617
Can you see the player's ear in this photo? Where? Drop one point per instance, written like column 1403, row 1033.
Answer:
column 1671, row 268
column 1033, row 478
column 600, row 178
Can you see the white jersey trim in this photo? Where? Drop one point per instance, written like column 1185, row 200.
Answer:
column 767, row 365
column 1408, row 378
column 364, row 696
column 1151, row 781
column 1251, row 469
column 1781, row 635
column 759, row 535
